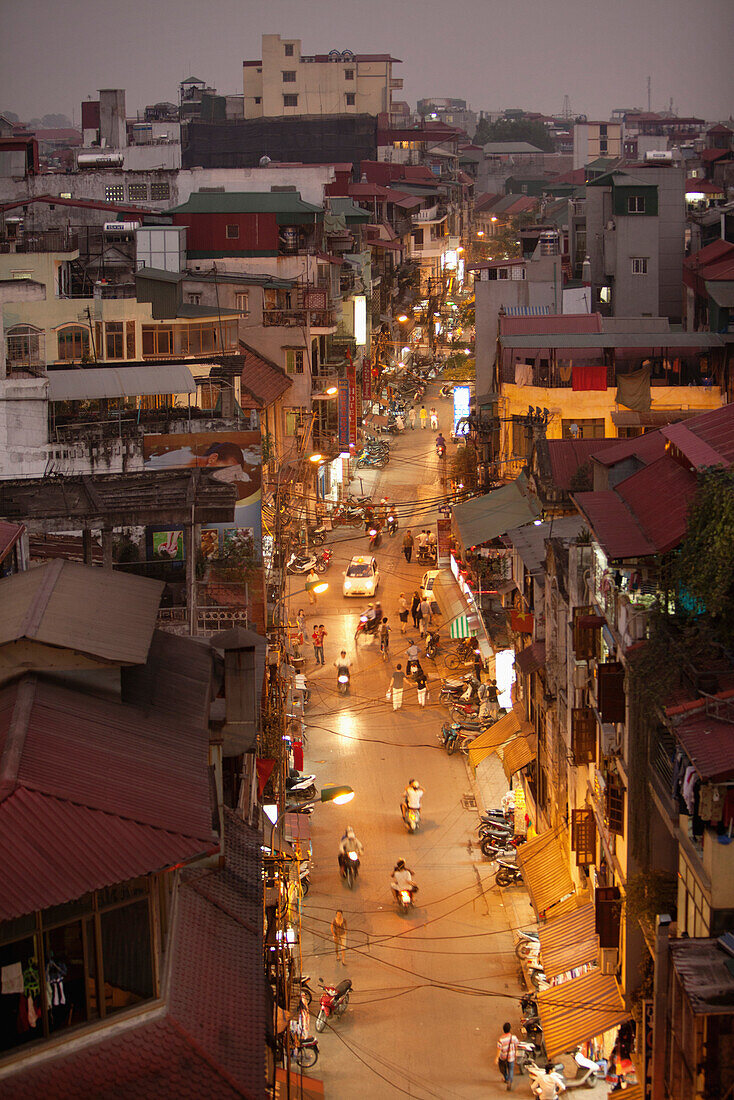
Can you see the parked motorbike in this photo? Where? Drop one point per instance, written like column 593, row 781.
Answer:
column 507, row 873
column 306, row 1051
column 301, row 563
column 452, row 689
column 535, row 1072
column 367, row 459
column 500, row 845
column 588, row 1072
column 317, row 535
column 300, row 786
column 427, row 554
column 323, row 560
column 306, row 992
column 334, row 1001
column 454, row 737
column 433, row 641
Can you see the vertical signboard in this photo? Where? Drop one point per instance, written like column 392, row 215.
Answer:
column 352, row 382
column 366, row 381
column 343, row 411
column 461, row 408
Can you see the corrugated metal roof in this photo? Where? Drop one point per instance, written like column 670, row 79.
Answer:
column 97, row 382
column 614, row 526
column 647, row 448
column 9, row 535
column 518, row 754
column 706, row 440
column 106, row 614
column 554, row 323
column 568, row 941
column 722, row 293
column 531, row 658
column 579, row 340
column 527, row 311
column 529, row 541
column 486, row 517
column 567, row 455
column 490, row 739
column 658, row 497
column 578, row 1010
column 709, row 743
column 264, row 381
column 704, row 969
column 544, row 864
column 281, row 203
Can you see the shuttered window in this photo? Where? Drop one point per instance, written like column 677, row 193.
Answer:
column 615, row 805
column 583, row 836
column 583, row 735
column 130, row 339
column 585, row 637
column 608, row 901
column 611, row 691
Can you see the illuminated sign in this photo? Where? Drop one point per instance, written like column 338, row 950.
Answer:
column 343, row 411
column 461, row 408
column 450, row 259
column 360, row 320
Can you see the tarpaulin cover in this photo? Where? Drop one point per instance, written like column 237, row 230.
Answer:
column 633, row 389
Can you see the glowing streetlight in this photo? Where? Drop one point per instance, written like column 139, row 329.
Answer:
column 402, row 318
column 315, row 458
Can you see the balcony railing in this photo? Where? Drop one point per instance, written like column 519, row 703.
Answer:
column 299, row 318
column 49, row 240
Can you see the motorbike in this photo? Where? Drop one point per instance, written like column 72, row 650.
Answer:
column 432, row 643
column 588, row 1072
column 342, row 680
column 375, row 537
column 446, row 391
column 454, row 738
column 323, row 560
column 535, row 1072
column 412, row 819
column 427, row 554
column 334, row 1001
column 367, row 626
column 453, row 689
column 350, row 868
column 317, row 535
column 392, row 524
column 301, row 563
column 300, row 786
column 306, row 1051
column 404, row 899
column 367, row 459
column 441, row 450
column 507, row 873
column 500, row 845
column 306, row 992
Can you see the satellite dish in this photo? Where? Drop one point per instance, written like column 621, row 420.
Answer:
column 264, row 162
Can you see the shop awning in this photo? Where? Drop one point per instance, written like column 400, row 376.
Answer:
column 578, row 1010
column 569, row 941
column 94, row 383
column 530, row 659
column 544, row 865
column 490, row 739
column 301, row 1086
column 519, row 752
column 487, row 517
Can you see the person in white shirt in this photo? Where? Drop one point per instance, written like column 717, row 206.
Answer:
column 348, row 843
column 402, row 878
column 412, row 797
column 548, row 1085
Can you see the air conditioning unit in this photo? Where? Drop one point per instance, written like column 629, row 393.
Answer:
column 608, row 959
column 580, row 676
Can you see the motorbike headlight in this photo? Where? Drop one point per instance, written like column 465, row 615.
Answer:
column 353, row 856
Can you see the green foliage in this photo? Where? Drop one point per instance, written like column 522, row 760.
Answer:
column 704, row 568
column 505, row 129
column 646, row 895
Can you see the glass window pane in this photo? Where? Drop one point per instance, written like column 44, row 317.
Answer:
column 65, row 977
column 14, row 1029
column 127, row 958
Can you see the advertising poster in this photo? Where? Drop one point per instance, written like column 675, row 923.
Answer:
column 168, row 545
column 343, row 411
column 231, row 457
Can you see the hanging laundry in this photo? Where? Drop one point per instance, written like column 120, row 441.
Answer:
column 55, row 973
column 523, row 374
column 11, row 979
column 565, row 371
column 590, row 376
column 686, row 790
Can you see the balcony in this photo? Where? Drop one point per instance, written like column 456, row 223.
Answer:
column 300, row 318
column 437, row 213
column 49, row 240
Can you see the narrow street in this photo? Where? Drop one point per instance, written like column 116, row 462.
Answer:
column 432, row 988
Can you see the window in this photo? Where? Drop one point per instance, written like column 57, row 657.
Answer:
column 639, row 265
column 114, row 340
column 114, row 192
column 288, row 49
column 130, row 339
column 194, row 299
column 602, row 129
column 636, row 204
column 242, row 303
column 204, row 337
column 25, row 345
column 615, row 805
column 290, row 100
column 294, row 360
column 583, row 836
column 603, row 146
column 137, row 192
column 294, row 420
column 583, row 735
column 232, row 232
column 583, row 429
column 258, row 99
column 73, row 343
column 351, row 99
column 160, row 191
column 611, row 693
column 289, row 77
column 349, row 74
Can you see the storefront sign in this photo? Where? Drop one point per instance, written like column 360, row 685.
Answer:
column 461, row 408
column 342, row 386
column 366, row 381
column 521, row 825
column 648, row 1016
column 352, row 381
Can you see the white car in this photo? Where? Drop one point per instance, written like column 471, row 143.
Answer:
column 361, row 577
column 427, row 585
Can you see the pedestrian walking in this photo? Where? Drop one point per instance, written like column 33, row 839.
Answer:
column 317, row 638
column 421, row 683
column 478, row 663
column 311, row 581
column 383, row 632
column 396, row 687
column 408, row 545
column 423, row 417
column 301, row 621
column 426, row 616
column 400, row 422
column 339, row 934
column 402, row 612
column 415, row 609
column 434, row 420
column 506, row 1051
column 411, row 418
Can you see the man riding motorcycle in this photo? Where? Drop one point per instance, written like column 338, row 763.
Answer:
column 412, row 797
column 348, row 843
column 402, row 878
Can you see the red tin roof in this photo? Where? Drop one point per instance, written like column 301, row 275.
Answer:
column 9, row 535
column 114, row 792
column 647, row 448
column 264, row 381
column 658, row 497
column 709, row 743
column 705, row 440
column 614, row 526
column 567, row 455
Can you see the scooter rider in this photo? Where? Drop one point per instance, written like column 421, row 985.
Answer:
column 402, row 878
column 548, row 1085
column 412, row 797
column 348, row 843
column 440, row 445
column 343, row 665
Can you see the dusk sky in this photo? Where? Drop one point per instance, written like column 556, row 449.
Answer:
column 494, row 54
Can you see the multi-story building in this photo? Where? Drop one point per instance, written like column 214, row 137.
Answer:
column 596, row 139
column 284, row 81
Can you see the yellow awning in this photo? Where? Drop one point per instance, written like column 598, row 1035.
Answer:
column 491, row 739
column 544, row 865
column 519, row 752
column 575, row 1011
column 569, row 941
column 568, row 905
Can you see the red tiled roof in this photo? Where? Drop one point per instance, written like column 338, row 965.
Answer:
column 367, row 191
column 658, row 497
column 85, row 204
column 714, row 154
column 567, row 455
column 485, row 202
column 111, row 790
column 709, row 743
column 264, row 381
column 209, row 1040
column 705, row 440
column 71, row 137
column 614, row 526
column 702, row 187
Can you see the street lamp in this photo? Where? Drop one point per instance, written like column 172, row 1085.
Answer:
column 338, row 795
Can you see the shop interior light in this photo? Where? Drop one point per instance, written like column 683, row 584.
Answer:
column 493, row 218
column 480, row 232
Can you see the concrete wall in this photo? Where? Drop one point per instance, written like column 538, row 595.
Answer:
column 670, row 180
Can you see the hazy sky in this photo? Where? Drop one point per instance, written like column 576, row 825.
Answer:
column 494, row 53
